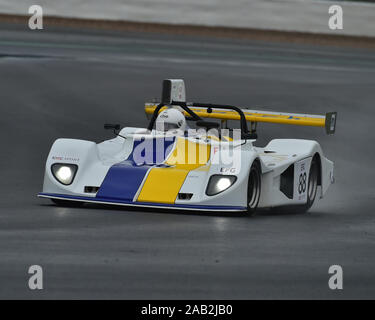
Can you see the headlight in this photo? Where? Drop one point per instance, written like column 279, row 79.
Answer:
column 64, row 173
column 219, row 183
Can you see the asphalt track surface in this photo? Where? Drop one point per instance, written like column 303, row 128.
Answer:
column 67, row 83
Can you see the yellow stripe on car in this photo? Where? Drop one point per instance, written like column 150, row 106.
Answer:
column 163, row 184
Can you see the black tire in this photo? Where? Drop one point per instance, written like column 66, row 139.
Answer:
column 313, row 183
column 67, row 203
column 253, row 188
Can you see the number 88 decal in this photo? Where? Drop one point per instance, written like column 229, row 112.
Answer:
column 302, row 183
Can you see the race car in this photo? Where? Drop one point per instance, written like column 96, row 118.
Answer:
column 183, row 161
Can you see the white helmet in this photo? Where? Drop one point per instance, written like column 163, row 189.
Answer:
column 170, row 119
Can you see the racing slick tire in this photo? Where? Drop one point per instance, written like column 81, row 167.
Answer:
column 312, row 187
column 66, row 203
column 253, row 188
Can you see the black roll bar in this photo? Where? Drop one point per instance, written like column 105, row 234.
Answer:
column 246, row 134
column 209, row 107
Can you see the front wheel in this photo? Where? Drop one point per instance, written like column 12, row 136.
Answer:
column 253, row 188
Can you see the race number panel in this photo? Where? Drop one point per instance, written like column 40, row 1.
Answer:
column 301, row 177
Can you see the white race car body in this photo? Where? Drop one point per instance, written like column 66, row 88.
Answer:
column 109, row 173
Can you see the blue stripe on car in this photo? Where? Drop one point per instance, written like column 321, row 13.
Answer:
column 124, row 179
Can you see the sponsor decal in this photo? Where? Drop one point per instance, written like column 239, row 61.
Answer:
column 60, row 158
column 225, row 170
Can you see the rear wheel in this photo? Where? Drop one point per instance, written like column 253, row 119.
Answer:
column 66, row 203
column 253, row 188
column 313, row 183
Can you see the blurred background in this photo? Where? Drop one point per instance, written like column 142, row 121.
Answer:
column 291, row 15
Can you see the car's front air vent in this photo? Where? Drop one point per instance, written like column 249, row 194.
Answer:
column 184, row 196
column 90, row 189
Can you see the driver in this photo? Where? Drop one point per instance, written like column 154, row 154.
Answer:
column 171, row 121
